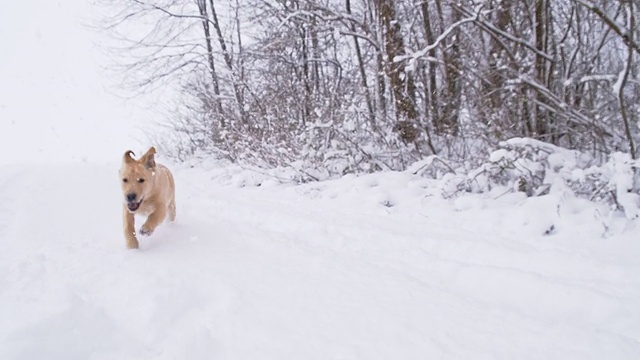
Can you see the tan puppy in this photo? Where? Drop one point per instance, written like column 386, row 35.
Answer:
column 148, row 189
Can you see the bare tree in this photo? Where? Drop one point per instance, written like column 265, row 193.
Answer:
column 401, row 82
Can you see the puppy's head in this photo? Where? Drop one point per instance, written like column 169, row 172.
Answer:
column 136, row 177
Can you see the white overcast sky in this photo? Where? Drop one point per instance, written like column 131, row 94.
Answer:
column 56, row 100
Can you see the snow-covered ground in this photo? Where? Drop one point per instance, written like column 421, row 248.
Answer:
column 371, row 267
column 366, row 267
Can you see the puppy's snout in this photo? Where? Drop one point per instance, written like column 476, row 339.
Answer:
column 131, row 197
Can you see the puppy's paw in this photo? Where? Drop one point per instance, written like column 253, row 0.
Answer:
column 132, row 243
column 146, row 231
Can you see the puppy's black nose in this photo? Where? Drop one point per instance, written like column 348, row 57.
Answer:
column 131, row 197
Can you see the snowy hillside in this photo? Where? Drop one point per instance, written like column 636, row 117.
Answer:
column 366, row 267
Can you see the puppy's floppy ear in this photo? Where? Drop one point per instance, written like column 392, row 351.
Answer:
column 148, row 159
column 128, row 157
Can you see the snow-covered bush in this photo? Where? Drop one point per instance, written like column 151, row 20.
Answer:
column 538, row 168
column 530, row 166
column 619, row 179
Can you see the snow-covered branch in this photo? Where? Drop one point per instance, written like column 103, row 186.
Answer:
column 446, row 33
column 624, row 34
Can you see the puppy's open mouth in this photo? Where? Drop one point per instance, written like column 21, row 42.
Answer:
column 134, row 206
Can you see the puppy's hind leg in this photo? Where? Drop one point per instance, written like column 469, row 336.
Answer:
column 172, row 210
column 171, row 206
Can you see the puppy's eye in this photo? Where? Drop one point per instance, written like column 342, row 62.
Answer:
column 125, row 180
column 140, row 180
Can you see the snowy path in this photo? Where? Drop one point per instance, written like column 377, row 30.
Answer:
column 320, row 271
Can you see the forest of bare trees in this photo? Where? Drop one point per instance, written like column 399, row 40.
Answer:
column 338, row 86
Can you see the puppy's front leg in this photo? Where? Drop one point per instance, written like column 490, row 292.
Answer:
column 129, row 229
column 153, row 220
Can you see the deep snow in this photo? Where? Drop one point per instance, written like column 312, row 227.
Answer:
column 371, row 267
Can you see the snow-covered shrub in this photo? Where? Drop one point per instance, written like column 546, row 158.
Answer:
column 616, row 181
column 538, row 168
column 532, row 166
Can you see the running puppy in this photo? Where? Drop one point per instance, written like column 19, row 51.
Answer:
column 148, row 189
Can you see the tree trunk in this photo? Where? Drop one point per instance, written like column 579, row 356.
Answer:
column 202, row 7
column 402, row 85
column 432, row 94
column 452, row 97
column 228, row 59
column 542, row 117
column 361, row 69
